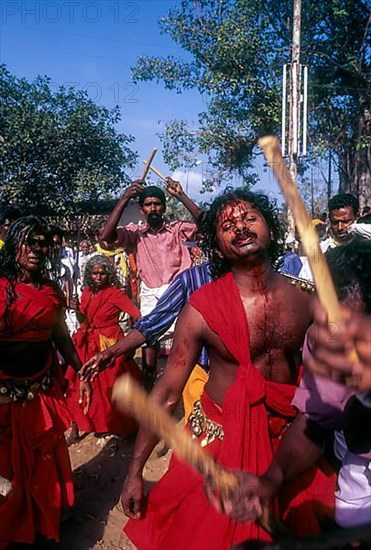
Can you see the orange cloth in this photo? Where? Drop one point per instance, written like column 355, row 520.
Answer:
column 193, row 389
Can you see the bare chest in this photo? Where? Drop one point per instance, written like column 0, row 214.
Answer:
column 276, row 323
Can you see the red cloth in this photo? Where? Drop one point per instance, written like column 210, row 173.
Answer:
column 33, row 451
column 254, row 415
column 100, row 329
column 33, row 314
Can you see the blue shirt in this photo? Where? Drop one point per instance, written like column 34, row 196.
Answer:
column 290, row 264
column 167, row 309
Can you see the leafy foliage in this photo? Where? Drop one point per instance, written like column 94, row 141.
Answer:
column 235, row 52
column 59, row 149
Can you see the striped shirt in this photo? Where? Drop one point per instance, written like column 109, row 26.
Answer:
column 167, row 309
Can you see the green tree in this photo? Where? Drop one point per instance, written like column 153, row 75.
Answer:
column 59, row 149
column 236, row 49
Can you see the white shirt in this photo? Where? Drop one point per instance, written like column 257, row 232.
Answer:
column 306, row 272
column 361, row 229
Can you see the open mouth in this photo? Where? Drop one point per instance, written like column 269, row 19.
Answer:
column 244, row 240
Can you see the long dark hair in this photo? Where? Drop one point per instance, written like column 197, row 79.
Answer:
column 18, row 233
column 208, row 223
column 350, row 267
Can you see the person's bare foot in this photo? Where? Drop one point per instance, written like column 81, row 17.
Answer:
column 74, row 435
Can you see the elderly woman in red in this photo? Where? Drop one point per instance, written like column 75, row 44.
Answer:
column 33, row 413
column 102, row 302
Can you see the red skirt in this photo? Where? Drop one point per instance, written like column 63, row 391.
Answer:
column 101, row 417
column 179, row 516
column 34, row 457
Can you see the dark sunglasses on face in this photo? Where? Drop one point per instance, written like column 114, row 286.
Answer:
column 39, row 240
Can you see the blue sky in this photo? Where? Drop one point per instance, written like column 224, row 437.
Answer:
column 93, row 46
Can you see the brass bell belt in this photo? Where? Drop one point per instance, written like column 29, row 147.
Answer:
column 305, row 285
column 20, row 391
column 201, row 425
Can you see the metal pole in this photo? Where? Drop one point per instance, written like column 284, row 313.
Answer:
column 283, row 120
column 294, row 89
column 312, row 191
column 294, row 101
column 305, row 111
column 329, row 190
column 300, row 99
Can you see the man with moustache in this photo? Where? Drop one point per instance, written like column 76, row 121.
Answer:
column 158, row 246
column 252, row 321
column 327, row 402
column 343, row 213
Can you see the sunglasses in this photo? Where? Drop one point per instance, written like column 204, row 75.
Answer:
column 39, row 240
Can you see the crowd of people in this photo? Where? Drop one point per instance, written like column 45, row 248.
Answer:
column 269, row 388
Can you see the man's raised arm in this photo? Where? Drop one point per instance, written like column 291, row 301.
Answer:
column 108, row 236
column 175, row 189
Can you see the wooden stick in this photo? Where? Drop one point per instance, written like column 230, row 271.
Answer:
column 129, row 397
column 310, row 239
column 5, row 487
column 148, row 164
column 155, row 171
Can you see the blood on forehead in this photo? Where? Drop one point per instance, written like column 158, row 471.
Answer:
column 235, row 208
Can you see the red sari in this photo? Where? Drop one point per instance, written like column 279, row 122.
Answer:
column 100, row 330
column 254, row 414
column 33, row 451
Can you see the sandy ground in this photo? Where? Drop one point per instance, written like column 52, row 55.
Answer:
column 97, row 519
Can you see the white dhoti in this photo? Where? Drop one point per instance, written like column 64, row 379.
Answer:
column 148, row 301
column 353, row 497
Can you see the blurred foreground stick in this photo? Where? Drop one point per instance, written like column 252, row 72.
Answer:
column 129, row 397
column 310, row 239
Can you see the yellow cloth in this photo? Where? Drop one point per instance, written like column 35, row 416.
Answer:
column 105, row 342
column 1, row 243
column 316, row 222
column 193, row 389
column 111, row 253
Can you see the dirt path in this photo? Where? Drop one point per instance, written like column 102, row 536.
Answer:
column 97, row 519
